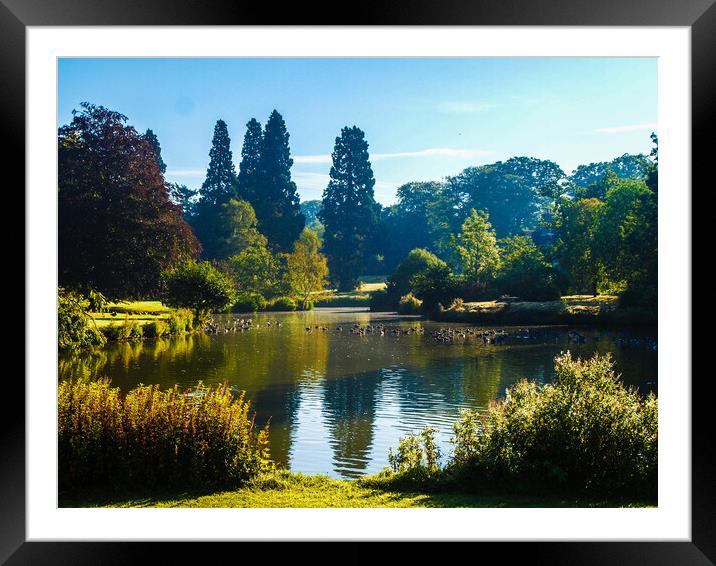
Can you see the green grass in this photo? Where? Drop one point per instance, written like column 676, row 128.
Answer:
column 359, row 297
column 287, row 489
column 143, row 312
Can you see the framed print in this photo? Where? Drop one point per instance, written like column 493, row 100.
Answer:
column 304, row 263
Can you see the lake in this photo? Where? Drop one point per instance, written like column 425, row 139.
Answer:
column 338, row 399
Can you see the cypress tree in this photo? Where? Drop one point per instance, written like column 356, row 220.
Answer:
column 349, row 211
column 218, row 187
column 276, row 200
column 250, row 162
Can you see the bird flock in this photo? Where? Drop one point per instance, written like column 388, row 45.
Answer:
column 443, row 335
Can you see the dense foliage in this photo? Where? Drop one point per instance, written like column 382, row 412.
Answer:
column 75, row 330
column 307, row 268
column 118, row 228
column 203, row 438
column 274, row 196
column 349, row 213
column 585, row 433
column 198, row 286
column 524, row 271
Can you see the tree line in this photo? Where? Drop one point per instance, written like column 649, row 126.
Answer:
column 520, row 226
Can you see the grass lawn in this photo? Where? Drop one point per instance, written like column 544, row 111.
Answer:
column 141, row 311
column 359, row 297
column 286, row 489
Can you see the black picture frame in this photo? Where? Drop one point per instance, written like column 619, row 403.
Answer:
column 699, row 15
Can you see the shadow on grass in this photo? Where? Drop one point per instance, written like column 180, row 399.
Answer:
column 284, row 489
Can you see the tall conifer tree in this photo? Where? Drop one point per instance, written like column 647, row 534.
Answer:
column 217, row 190
column 276, row 200
column 218, row 187
column 349, row 212
column 250, row 162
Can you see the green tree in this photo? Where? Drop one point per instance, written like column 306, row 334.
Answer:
column 349, row 213
column 417, row 261
column 513, row 192
column 276, row 198
column 420, row 219
column 218, row 187
column 652, row 176
column 624, row 167
column 198, row 286
column 576, row 225
column 250, row 167
column 233, row 227
column 237, row 228
column 524, row 271
column 628, row 236
column 307, row 268
column 476, row 246
column 184, row 197
column 310, row 210
column 118, row 228
column 256, row 270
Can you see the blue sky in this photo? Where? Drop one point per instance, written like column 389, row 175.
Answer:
column 424, row 119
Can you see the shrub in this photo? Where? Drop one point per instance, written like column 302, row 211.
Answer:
column 148, row 437
column 436, row 287
column 129, row 330
column 283, row 304
column 198, row 286
column 409, row 304
column 97, row 302
column 418, row 261
column 156, row 329
column 249, row 302
column 382, row 301
column 584, row 433
column 182, row 320
column 417, row 457
column 75, row 329
column 307, row 306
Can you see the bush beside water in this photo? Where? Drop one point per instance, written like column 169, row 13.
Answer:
column 249, row 302
column 74, row 331
column 584, row 434
column 282, row 304
column 153, row 438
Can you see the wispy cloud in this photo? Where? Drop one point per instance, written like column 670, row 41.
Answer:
column 628, row 128
column 311, row 159
column 464, row 106
column 182, row 172
column 430, row 152
column 433, row 152
column 308, row 180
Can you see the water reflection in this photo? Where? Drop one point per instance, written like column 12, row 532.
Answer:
column 337, row 401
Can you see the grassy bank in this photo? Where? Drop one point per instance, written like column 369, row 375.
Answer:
column 359, row 297
column 570, row 310
column 143, row 312
column 286, row 489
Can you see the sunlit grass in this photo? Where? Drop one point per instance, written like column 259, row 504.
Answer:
column 287, row 489
column 141, row 311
